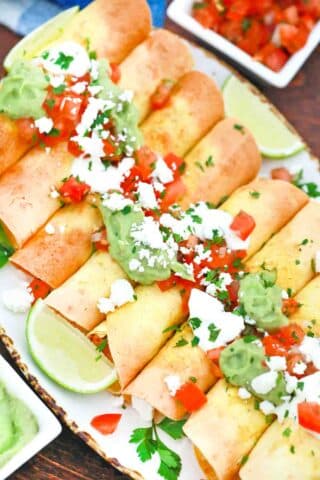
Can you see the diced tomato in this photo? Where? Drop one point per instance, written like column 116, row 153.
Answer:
column 115, row 74
column 191, row 397
column 293, row 38
column 74, row 148
column 106, row 423
column 173, row 193
column 289, row 306
column 308, row 22
column 98, row 341
column 243, row 224
column 214, row 354
column 223, row 259
column 276, row 59
column 185, row 288
column 232, row 30
column 291, row 15
column 39, row 288
column 160, row 98
column 292, row 360
column 233, row 290
column 238, row 10
column 310, row 7
column 109, row 149
column 208, row 15
column 145, row 162
column 27, row 129
column 272, row 346
column 73, row 190
column 254, row 37
column 281, row 173
column 175, row 163
column 290, row 335
column 309, row 416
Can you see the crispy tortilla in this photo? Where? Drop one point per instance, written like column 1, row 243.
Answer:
column 54, row 257
column 222, row 161
column 12, row 145
column 196, row 105
column 163, row 55
column 25, row 201
column 308, row 314
column 114, row 27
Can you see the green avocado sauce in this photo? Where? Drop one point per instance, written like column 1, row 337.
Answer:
column 18, row 426
column 125, row 120
column 244, row 360
column 23, row 91
column 262, row 300
column 123, row 248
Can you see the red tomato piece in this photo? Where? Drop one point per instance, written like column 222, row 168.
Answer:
column 272, row 346
column 175, row 163
column 100, row 240
column 145, row 162
column 208, row 16
column 39, row 288
column 254, row 37
column 110, row 149
column 115, row 74
column 214, row 354
column 309, row 416
column 290, row 335
column 292, row 360
column 27, row 129
column 106, row 423
column 74, row 148
column 160, row 98
column 233, row 290
column 281, row 173
column 291, row 15
column 173, row 193
column 232, row 30
column 74, row 191
column 238, row 10
column 276, row 59
column 191, row 397
column 289, row 306
column 243, row 224
column 293, row 38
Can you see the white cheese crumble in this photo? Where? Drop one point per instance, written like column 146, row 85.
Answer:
column 310, row 347
column 77, row 66
column 116, row 202
column 243, row 393
column 162, row 172
column 44, row 124
column 79, row 87
column 148, row 233
column 277, row 363
column 266, row 407
column 147, row 197
column 17, row 300
column 121, row 292
column 143, row 408
column 173, row 383
column 299, row 368
column 49, row 229
column 91, row 146
column 264, row 383
column 210, row 311
column 54, row 193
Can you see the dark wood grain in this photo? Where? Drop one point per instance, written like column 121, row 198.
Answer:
column 68, row 458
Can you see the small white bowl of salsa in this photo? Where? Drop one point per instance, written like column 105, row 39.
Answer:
column 26, row 424
column 281, row 50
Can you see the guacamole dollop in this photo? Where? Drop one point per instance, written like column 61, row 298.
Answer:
column 141, row 262
column 125, row 120
column 18, row 425
column 262, row 300
column 23, row 91
column 244, row 360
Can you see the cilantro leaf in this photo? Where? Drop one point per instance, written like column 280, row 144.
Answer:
column 147, row 445
column 170, row 462
column 172, row 428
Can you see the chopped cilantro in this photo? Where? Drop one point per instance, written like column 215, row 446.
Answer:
column 193, row 379
column 244, row 460
column 217, row 238
column 50, row 102
column 45, row 55
column 287, row 432
column 249, row 338
column 300, row 385
column 172, row 428
column 292, row 449
column 54, row 132
column 310, row 188
column 199, row 165
column 246, row 24
column 214, row 332
column 182, row 167
column 195, row 341
column 64, row 61
column 255, row 194
column 60, row 89
column 236, row 126
column 126, row 210
column 313, row 265
column 209, row 162
column 196, row 219
column 195, row 322
column 181, row 342
column 297, row 261
column 90, row 165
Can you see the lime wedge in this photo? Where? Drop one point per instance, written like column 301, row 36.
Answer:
column 31, row 45
column 64, row 354
column 274, row 138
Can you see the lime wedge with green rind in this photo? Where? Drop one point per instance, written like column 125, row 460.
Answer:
column 34, row 43
column 65, row 354
column 274, row 138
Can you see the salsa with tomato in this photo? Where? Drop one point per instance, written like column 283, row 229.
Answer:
column 268, row 30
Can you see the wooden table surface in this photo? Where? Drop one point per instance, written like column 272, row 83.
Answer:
column 68, row 458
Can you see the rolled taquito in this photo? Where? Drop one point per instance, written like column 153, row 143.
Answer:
column 114, row 27
column 77, row 299
column 280, row 254
column 12, row 145
column 308, row 313
column 162, row 56
column 25, row 200
column 195, row 105
column 159, row 395
column 280, row 456
column 59, row 248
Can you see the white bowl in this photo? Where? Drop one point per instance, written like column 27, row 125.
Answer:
column 180, row 12
column 49, row 427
